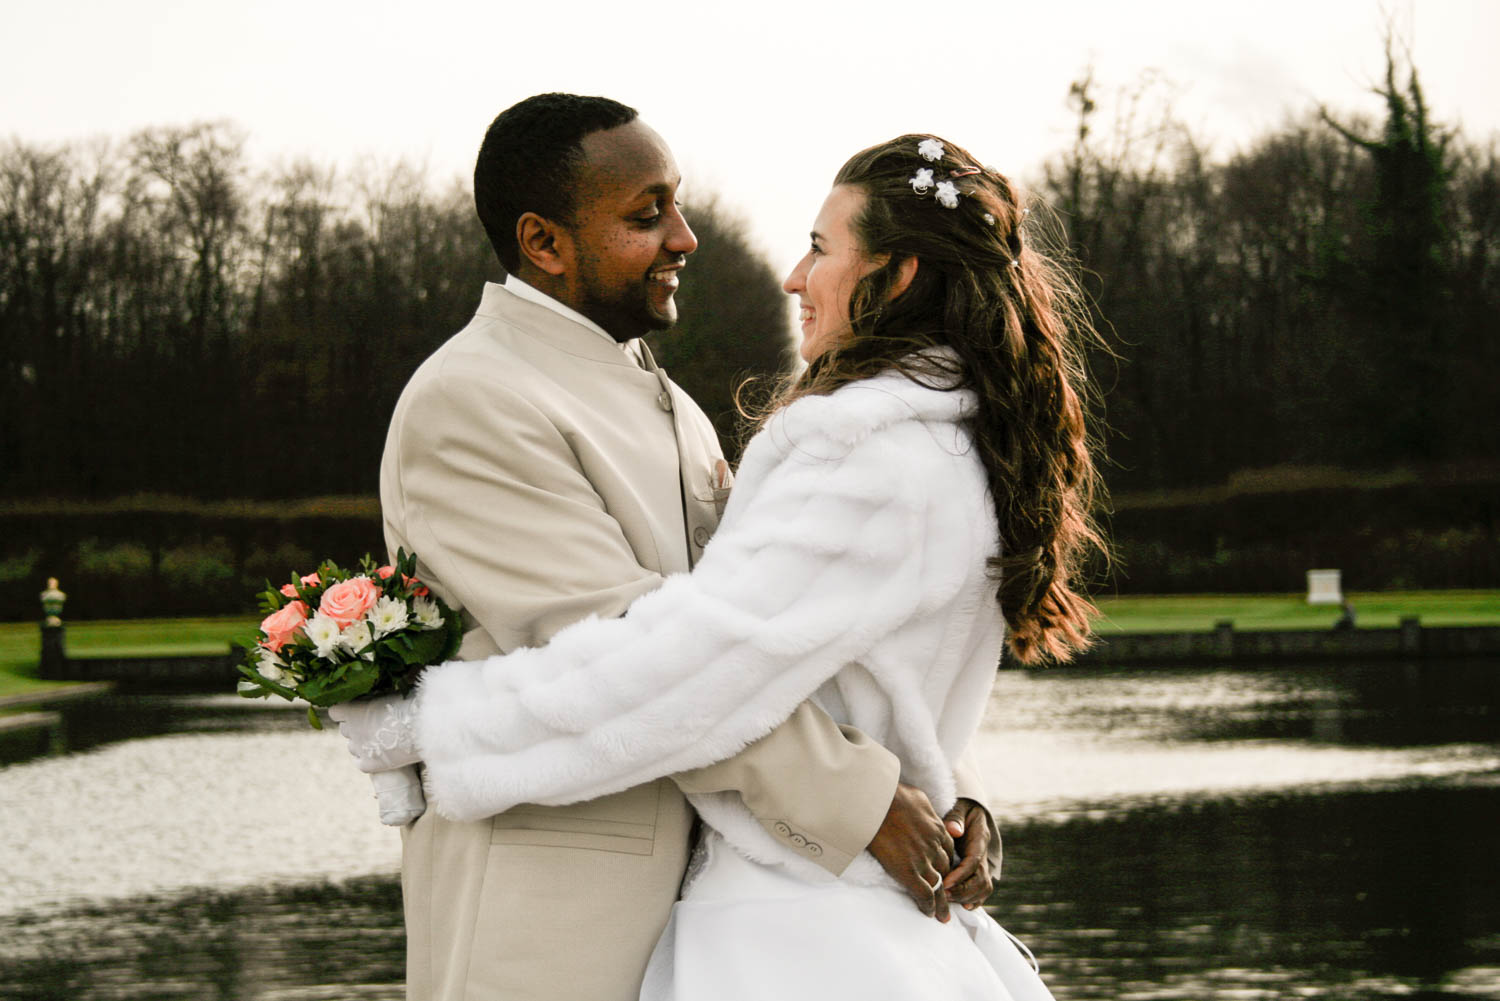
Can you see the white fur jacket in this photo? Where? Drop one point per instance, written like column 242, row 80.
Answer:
column 850, row 567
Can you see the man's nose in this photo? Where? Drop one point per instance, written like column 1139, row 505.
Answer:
column 680, row 240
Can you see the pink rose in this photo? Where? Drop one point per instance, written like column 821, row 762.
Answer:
column 284, row 623
column 311, row 579
column 347, row 602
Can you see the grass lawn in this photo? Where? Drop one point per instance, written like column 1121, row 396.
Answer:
column 20, row 643
column 1142, row 614
column 1198, row 612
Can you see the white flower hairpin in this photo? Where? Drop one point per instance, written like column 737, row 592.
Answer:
column 946, row 193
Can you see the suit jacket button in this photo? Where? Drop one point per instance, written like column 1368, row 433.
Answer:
column 814, row 849
column 664, row 400
column 799, row 841
column 700, row 536
column 782, row 829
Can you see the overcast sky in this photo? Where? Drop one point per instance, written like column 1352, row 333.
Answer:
column 762, row 101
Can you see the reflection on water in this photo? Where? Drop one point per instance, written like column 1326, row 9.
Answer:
column 1271, row 833
column 1355, row 896
column 272, row 943
column 1391, row 704
column 1352, row 895
column 92, row 723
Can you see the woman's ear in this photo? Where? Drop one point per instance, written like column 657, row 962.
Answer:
column 545, row 244
column 905, row 272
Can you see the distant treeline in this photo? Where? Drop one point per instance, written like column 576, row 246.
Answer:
column 175, row 320
column 1328, row 296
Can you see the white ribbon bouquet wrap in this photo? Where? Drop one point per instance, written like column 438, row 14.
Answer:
column 334, row 635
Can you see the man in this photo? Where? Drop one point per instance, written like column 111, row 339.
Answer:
column 544, row 469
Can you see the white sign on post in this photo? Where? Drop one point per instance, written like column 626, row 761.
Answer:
column 1324, row 588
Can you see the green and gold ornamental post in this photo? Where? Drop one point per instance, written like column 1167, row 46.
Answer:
column 54, row 655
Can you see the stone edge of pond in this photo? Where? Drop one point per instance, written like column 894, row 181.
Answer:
column 1226, row 645
column 60, row 693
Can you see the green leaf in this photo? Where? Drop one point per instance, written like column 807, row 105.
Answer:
column 358, row 682
column 426, row 648
column 454, row 630
column 247, row 689
column 312, row 717
column 270, row 600
column 265, row 682
column 312, row 688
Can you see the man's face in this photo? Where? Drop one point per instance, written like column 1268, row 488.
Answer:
column 629, row 237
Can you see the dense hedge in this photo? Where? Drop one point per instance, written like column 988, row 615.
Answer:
column 164, row 556
column 144, row 557
column 1410, row 532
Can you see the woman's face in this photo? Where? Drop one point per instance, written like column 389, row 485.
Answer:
column 823, row 280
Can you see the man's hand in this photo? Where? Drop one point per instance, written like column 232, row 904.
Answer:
column 914, row 846
column 970, row 882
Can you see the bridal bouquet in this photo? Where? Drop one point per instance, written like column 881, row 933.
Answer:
column 333, row 635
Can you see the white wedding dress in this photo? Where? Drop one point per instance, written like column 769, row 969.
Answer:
column 852, row 568
column 744, row 931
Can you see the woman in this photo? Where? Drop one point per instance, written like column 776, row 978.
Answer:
column 915, row 499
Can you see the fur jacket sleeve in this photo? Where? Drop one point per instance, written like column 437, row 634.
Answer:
column 850, row 566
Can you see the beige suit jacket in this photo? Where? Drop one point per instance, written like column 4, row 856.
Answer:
column 542, row 474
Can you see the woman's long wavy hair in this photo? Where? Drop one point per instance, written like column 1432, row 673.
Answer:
column 1016, row 322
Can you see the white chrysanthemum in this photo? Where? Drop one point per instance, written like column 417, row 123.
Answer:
column 388, row 616
column 269, row 665
column 324, row 634
column 356, row 637
column 930, row 149
column 947, row 194
column 921, row 181
column 427, row 613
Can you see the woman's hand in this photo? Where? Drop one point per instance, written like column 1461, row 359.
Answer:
column 381, row 735
column 381, row 732
column 970, row 882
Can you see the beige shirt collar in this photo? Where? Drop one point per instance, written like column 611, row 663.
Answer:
column 527, row 292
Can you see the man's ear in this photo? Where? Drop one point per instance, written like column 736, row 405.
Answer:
column 905, row 272
column 545, row 244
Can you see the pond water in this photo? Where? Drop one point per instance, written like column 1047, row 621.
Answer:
column 1287, row 832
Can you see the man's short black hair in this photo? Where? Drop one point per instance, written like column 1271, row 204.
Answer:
column 529, row 161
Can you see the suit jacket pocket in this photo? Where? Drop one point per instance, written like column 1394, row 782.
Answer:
column 623, row 822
